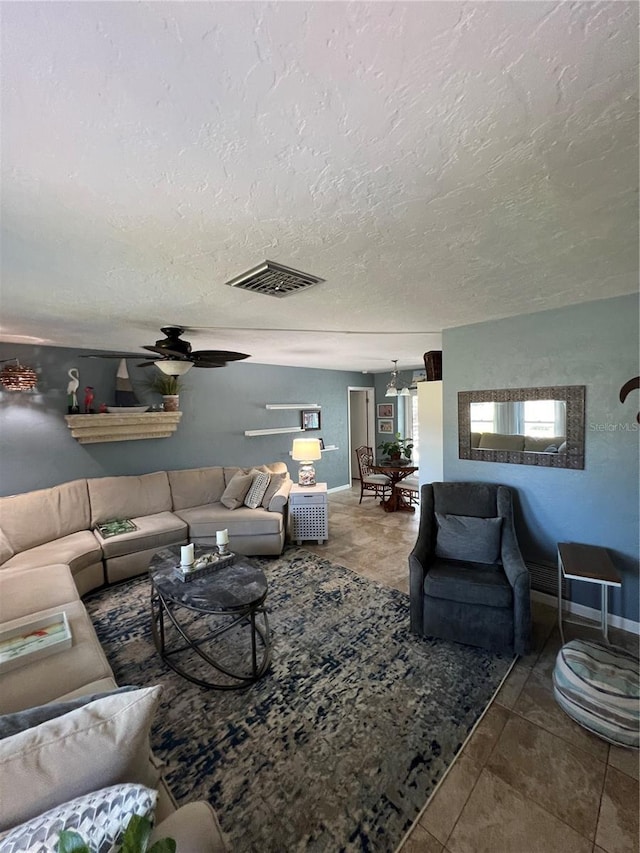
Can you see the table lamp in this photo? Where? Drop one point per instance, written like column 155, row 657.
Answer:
column 306, row 451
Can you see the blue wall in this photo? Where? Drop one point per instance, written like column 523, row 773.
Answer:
column 37, row 450
column 596, row 345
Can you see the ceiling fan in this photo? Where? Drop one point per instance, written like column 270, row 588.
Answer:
column 175, row 356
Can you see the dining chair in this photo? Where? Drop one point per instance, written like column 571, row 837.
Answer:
column 378, row 484
column 409, row 488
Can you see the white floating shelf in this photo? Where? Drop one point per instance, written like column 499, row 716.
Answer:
column 293, row 406
column 274, row 431
column 323, row 449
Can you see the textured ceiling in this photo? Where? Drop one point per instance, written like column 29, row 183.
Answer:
column 438, row 163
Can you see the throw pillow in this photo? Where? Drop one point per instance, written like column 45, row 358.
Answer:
column 12, row 724
column 100, row 817
column 274, row 484
column 280, row 498
column 464, row 537
column 103, row 743
column 259, row 485
column 234, row 494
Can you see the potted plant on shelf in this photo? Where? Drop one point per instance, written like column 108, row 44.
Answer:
column 397, row 450
column 170, row 388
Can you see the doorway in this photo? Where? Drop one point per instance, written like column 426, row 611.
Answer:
column 361, row 424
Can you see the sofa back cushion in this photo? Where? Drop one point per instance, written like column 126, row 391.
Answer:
column 196, row 486
column 6, row 549
column 128, row 497
column 33, row 518
column 500, row 441
column 270, row 468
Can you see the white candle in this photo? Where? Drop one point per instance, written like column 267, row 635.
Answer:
column 186, row 555
column 222, row 537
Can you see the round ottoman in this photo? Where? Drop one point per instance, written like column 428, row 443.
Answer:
column 598, row 686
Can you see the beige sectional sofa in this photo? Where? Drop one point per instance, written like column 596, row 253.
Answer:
column 57, row 525
column 530, row 443
column 30, row 760
column 50, row 555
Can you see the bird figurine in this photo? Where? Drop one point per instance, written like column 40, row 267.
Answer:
column 72, row 391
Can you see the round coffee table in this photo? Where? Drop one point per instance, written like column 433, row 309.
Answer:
column 213, row 619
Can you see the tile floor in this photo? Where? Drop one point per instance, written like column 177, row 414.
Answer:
column 529, row 780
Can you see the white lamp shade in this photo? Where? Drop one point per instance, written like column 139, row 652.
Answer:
column 306, row 449
column 392, row 391
column 174, row 368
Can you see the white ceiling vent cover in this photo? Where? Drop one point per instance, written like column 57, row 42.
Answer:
column 274, row 280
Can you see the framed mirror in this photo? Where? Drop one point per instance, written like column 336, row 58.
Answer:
column 523, row 426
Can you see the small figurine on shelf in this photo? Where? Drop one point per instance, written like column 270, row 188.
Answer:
column 72, row 391
column 103, row 409
column 88, row 400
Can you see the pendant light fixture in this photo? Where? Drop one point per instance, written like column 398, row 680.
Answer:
column 392, row 386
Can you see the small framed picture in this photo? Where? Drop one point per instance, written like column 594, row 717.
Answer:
column 321, row 440
column 385, row 410
column 310, row 419
column 385, row 425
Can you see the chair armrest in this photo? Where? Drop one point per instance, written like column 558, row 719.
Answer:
column 518, row 576
column 419, row 559
column 194, row 828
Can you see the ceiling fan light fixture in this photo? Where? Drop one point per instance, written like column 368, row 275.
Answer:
column 174, row 368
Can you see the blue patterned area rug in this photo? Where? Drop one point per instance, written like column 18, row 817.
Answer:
column 339, row 745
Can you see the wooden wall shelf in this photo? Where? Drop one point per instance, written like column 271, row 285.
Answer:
column 95, row 429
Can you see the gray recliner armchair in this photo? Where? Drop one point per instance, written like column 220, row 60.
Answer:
column 468, row 581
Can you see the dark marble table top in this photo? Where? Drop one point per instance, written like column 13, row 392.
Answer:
column 235, row 587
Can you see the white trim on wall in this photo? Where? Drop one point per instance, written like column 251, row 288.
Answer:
column 585, row 612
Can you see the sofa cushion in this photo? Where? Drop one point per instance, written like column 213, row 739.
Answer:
column 154, row 531
column 45, row 515
column 78, row 550
column 100, row 817
column 237, row 488
column 469, row 583
column 44, row 680
column 500, row 441
column 6, row 551
column 20, row 721
column 464, row 537
column 206, row 521
column 49, row 763
column 257, row 489
column 269, row 468
column 276, row 481
column 27, row 591
column 128, row 497
column 196, row 486
column 540, row 444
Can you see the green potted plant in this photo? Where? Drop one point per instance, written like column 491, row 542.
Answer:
column 170, row 388
column 397, row 450
column 135, row 839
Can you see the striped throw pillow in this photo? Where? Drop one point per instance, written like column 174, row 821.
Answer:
column 258, row 487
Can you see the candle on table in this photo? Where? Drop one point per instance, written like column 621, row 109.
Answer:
column 222, row 537
column 186, row 555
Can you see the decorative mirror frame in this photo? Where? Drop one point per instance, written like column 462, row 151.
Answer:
column 573, row 396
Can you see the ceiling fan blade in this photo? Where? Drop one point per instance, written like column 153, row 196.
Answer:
column 218, row 355
column 209, row 363
column 148, row 363
column 112, row 355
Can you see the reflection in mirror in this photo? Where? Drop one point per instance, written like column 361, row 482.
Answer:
column 533, row 425
column 527, row 426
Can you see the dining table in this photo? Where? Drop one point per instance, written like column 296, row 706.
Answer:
column 396, row 472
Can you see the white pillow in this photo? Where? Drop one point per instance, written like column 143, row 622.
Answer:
column 99, row 817
column 105, row 742
column 256, row 492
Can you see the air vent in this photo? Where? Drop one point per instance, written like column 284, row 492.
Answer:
column 274, row 280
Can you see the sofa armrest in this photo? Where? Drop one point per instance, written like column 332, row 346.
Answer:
column 518, row 576
column 280, row 498
column 194, row 828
